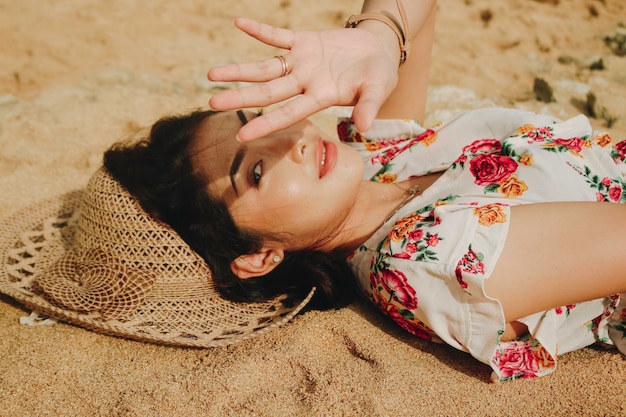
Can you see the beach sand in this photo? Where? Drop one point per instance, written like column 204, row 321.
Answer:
column 76, row 76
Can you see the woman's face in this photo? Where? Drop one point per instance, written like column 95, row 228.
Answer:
column 297, row 182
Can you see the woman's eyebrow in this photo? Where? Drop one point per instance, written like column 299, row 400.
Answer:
column 242, row 117
column 234, row 167
column 241, row 153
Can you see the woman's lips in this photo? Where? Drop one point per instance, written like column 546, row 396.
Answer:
column 327, row 157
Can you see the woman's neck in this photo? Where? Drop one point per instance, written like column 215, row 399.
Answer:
column 375, row 203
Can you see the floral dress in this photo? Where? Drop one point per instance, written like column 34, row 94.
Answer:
column 426, row 266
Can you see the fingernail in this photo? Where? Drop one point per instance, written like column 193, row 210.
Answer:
column 237, row 138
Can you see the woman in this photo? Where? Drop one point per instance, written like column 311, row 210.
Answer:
column 485, row 233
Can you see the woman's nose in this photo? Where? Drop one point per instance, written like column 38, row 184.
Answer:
column 298, row 150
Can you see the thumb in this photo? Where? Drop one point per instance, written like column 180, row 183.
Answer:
column 367, row 107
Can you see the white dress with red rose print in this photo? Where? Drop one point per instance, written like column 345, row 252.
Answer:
column 426, row 266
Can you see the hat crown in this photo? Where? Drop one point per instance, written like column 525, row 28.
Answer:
column 119, row 256
column 111, row 219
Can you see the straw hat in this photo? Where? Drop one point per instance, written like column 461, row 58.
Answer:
column 95, row 258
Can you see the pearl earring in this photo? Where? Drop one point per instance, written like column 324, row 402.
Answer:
column 276, row 259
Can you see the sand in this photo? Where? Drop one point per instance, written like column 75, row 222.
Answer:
column 76, row 76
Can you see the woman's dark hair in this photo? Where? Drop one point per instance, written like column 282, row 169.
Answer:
column 159, row 172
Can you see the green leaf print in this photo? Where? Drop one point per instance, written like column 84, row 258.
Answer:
column 492, row 188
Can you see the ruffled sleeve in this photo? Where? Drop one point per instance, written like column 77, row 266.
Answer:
column 394, row 149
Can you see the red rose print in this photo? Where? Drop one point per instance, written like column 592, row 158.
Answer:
column 432, row 240
column 342, row 130
column 386, row 157
column 410, row 247
column 532, row 135
column 615, row 193
column 517, row 361
column 491, row 169
column 472, row 263
column 398, row 146
column 483, row 146
column 395, row 282
column 416, row 234
column 459, row 278
column 575, row 144
column 409, row 326
column 539, row 134
column 478, row 268
column 545, row 132
column 619, row 151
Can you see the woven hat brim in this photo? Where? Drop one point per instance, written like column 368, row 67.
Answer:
column 36, row 228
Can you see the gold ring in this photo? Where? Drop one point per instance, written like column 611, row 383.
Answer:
column 283, row 62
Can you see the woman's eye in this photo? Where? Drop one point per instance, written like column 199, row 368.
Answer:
column 256, row 173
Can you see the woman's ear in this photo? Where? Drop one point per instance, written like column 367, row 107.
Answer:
column 257, row 264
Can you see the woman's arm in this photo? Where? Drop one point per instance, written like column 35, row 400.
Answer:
column 408, row 99
column 558, row 254
column 335, row 67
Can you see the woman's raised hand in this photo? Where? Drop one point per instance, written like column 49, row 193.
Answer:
column 322, row 69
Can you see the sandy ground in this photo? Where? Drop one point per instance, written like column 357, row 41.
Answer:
column 76, row 76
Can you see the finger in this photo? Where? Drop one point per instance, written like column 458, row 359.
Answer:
column 290, row 113
column 265, row 70
column 367, row 107
column 363, row 115
column 270, row 35
column 258, row 95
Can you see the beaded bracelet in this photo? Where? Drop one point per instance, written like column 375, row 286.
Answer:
column 388, row 19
